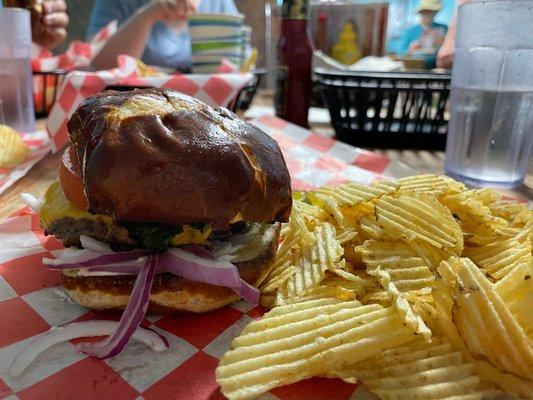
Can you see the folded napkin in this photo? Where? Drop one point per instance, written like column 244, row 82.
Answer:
column 369, row 64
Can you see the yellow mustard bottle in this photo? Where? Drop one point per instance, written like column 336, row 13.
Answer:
column 346, row 50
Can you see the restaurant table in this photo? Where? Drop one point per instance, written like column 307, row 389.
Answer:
column 34, row 302
column 45, row 171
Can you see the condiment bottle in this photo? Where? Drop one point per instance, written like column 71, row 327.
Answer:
column 346, row 50
column 295, row 53
column 321, row 33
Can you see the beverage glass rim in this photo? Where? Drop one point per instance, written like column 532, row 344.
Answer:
column 216, row 15
column 470, row 2
column 13, row 10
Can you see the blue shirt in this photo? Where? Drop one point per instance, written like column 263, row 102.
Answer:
column 165, row 47
column 414, row 34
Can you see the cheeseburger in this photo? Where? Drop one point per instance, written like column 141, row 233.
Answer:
column 159, row 189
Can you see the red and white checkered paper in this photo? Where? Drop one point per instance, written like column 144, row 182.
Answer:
column 79, row 54
column 39, row 145
column 31, row 301
column 213, row 89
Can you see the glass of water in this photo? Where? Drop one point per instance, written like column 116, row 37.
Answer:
column 16, row 90
column 2, row 118
column 491, row 108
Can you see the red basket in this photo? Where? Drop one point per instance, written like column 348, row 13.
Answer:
column 45, row 88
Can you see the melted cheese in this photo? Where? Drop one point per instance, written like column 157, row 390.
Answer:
column 191, row 235
column 56, row 206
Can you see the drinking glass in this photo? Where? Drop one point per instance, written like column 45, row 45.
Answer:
column 16, row 90
column 491, row 107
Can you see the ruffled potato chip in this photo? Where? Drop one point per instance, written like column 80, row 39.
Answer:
column 13, row 150
column 369, row 286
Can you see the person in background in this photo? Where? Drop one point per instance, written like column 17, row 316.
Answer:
column 425, row 39
column 49, row 23
column 445, row 54
column 154, row 31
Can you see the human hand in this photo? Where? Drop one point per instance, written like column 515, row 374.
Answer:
column 169, row 10
column 414, row 47
column 446, row 52
column 49, row 28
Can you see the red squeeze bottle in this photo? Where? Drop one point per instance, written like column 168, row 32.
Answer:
column 321, row 36
column 295, row 53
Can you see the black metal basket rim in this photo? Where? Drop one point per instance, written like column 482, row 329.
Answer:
column 324, row 73
column 53, row 72
column 393, row 85
column 258, row 71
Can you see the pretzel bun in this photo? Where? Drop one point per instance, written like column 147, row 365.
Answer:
column 158, row 155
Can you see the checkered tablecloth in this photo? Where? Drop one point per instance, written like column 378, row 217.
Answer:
column 78, row 54
column 213, row 89
column 31, row 302
column 39, row 145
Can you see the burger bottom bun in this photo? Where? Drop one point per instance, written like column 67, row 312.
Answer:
column 170, row 293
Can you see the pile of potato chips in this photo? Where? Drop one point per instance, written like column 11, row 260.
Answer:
column 417, row 288
column 13, row 150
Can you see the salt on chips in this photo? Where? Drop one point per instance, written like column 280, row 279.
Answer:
column 421, row 370
column 351, row 199
column 478, row 224
column 516, row 290
column 516, row 214
column 500, row 257
column 414, row 215
column 296, row 345
column 408, row 316
column 313, row 263
column 431, row 184
column 484, row 321
column 444, row 304
column 406, row 269
column 369, row 286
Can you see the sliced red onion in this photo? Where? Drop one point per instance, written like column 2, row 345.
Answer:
column 131, row 317
column 213, row 271
column 127, row 268
column 248, row 292
column 195, row 268
column 91, row 259
column 129, row 271
column 198, row 251
column 196, row 264
column 75, row 253
column 245, row 290
column 79, row 330
column 94, row 245
column 33, row 202
column 117, row 268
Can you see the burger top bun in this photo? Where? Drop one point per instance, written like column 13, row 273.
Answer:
column 158, row 155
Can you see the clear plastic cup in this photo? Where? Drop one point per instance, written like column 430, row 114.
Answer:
column 2, row 118
column 491, row 108
column 16, row 90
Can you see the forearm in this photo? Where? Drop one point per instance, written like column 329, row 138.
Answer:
column 130, row 39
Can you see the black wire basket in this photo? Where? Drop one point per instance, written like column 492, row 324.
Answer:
column 387, row 109
column 45, row 88
column 244, row 98
column 241, row 102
